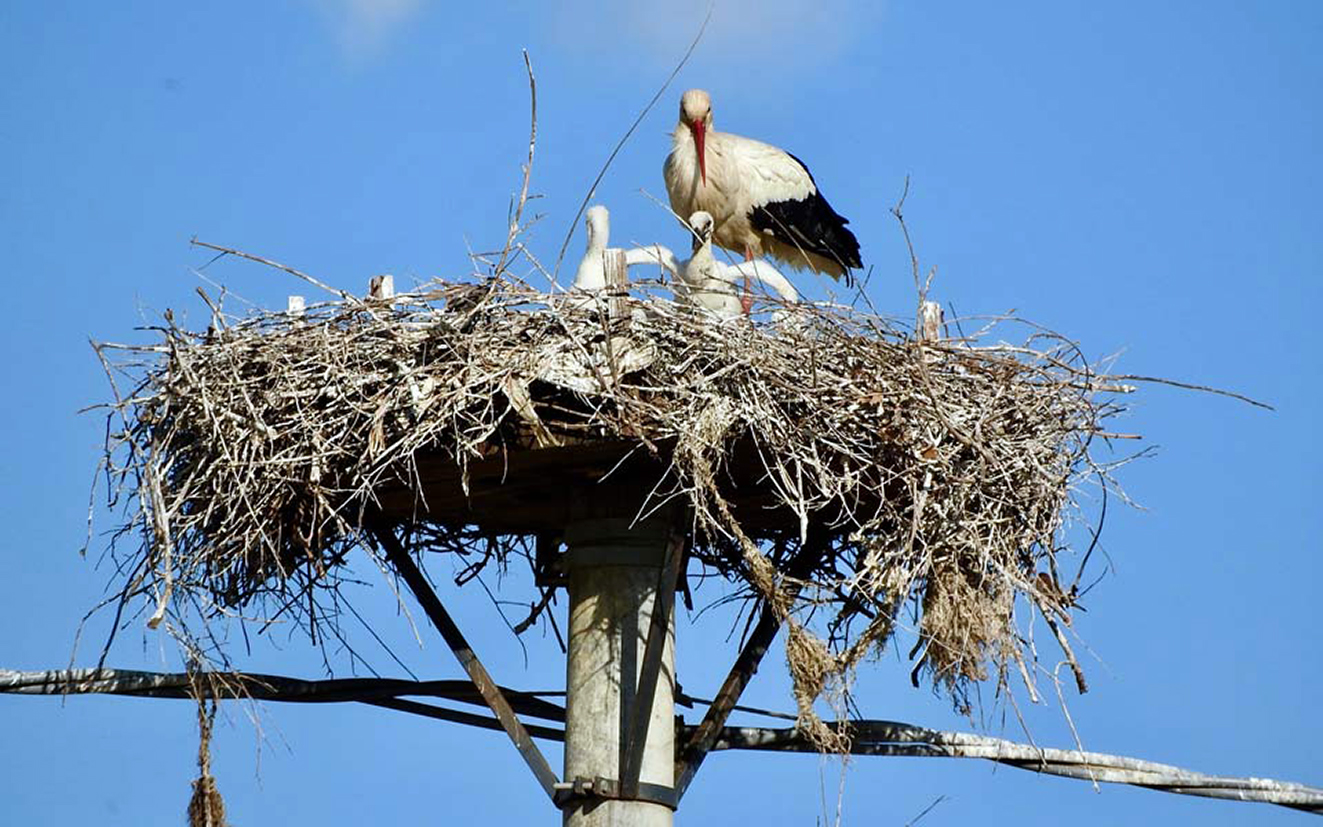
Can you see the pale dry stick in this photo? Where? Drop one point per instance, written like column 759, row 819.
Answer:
column 139, row 464
column 160, row 524
column 1080, row 683
column 222, row 288
column 516, row 221
column 898, row 212
column 1193, row 387
column 227, row 251
column 1015, row 705
column 217, row 318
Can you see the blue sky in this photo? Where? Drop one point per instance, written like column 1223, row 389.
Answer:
column 1142, row 177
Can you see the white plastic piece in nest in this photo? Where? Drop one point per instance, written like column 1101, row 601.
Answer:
column 598, row 369
column 931, row 319
column 516, row 390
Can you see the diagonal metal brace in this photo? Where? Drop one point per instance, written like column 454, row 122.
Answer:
column 491, row 693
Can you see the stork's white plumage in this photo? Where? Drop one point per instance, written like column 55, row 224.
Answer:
column 707, row 282
column 763, row 199
column 701, row 277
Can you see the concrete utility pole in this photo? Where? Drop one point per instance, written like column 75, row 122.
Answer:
column 615, row 571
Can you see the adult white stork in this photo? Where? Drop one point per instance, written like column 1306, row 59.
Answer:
column 763, row 199
column 708, row 283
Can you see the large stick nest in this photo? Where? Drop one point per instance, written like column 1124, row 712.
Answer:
column 852, row 477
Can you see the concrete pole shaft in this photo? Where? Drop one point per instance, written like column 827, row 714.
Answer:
column 613, row 577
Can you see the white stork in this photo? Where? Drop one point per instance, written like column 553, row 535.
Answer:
column 763, row 199
column 591, row 275
column 707, row 282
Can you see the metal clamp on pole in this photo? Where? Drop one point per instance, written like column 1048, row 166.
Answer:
column 581, row 789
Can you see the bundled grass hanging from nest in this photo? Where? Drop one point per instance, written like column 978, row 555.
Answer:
column 206, row 808
column 833, row 466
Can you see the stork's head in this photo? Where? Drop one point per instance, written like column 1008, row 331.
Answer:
column 598, row 224
column 696, row 113
column 702, row 225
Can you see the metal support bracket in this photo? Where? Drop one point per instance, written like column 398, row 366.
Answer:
column 482, row 680
column 586, row 790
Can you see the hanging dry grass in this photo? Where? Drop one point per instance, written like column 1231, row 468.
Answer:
column 206, row 808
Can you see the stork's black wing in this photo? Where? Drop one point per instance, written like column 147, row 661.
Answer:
column 810, row 224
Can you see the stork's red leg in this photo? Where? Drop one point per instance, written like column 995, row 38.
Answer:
column 746, row 300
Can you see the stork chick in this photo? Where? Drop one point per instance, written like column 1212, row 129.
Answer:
column 591, row 275
column 711, row 284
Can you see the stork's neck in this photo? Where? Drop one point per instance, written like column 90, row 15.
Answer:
column 700, row 269
column 682, row 141
column 682, row 136
column 598, row 236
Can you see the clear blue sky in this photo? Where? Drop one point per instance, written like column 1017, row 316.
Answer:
column 1141, row 176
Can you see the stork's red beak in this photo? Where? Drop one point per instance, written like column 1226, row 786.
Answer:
column 700, row 129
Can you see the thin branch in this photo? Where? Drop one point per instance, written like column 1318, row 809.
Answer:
column 938, row 800
column 621, row 143
column 1157, row 380
column 229, row 251
column 516, row 223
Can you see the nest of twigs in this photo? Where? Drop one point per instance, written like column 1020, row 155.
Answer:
column 830, row 464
